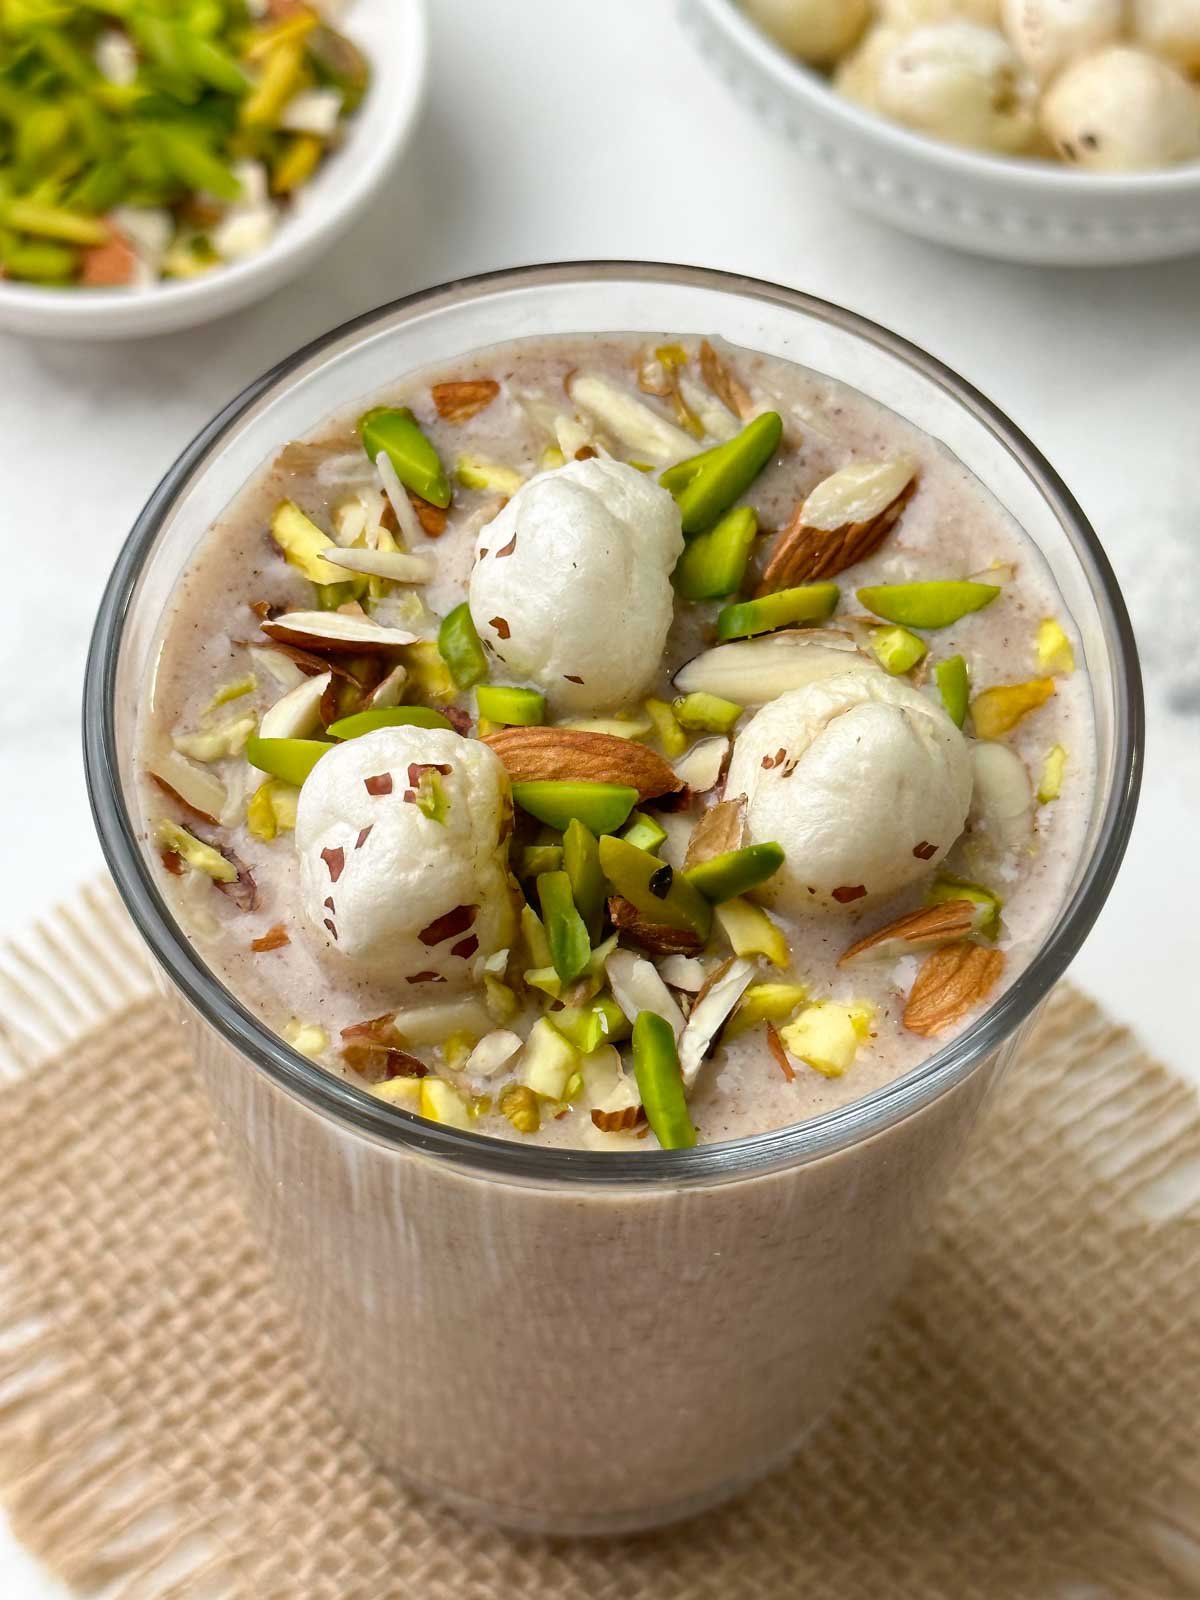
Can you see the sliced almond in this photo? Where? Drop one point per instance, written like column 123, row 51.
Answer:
column 199, row 791
column 533, row 754
column 333, row 630
column 951, row 982
column 713, row 1004
column 724, row 383
column 752, row 672
column 636, row 986
column 493, row 1051
column 466, row 398
column 843, row 520
column 926, row 929
column 683, row 972
column 298, row 713
column 635, row 425
column 397, row 566
column 702, row 768
column 721, row 828
column 653, row 936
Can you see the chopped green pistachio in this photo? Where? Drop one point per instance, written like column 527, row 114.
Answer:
column 581, row 862
column 589, row 1026
column 933, row 603
column 501, row 1001
column 1055, row 653
column 751, row 932
column 295, row 163
column 432, row 801
column 354, row 726
column 216, row 744
column 272, row 809
column 666, row 728
column 302, row 543
column 706, row 713
column 539, row 858
column 544, row 979
column 548, row 1060
column 661, row 895
column 53, row 222
column 396, row 432
column 810, row 602
column 461, row 649
column 431, row 677
column 644, row 832
column 765, row 1002
column 289, row 759
column 706, row 485
column 534, row 936
column 660, row 1083
column 552, row 458
column 475, row 473
column 713, row 564
column 599, row 806
column 520, row 1105
column 954, row 686
column 309, row 1038
column 441, row 1102
column 282, row 75
column 896, row 650
column 339, row 62
column 196, row 853
column 38, row 263
column 825, row 1037
column 997, row 711
column 566, row 931
column 456, row 1047
column 233, row 691
column 1053, row 767
column 734, row 872
column 946, row 887
column 510, row 707
column 405, row 1092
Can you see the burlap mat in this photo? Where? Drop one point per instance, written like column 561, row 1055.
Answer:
column 1025, row 1426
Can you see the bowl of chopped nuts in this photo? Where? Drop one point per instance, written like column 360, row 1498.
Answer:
column 1058, row 131
column 167, row 168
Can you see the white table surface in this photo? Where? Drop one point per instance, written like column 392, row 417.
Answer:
column 559, row 129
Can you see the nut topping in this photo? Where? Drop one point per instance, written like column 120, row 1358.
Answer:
column 920, row 930
column 842, row 521
column 951, row 981
column 533, row 754
column 464, row 399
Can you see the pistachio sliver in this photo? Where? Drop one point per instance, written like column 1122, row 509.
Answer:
column 660, row 1082
column 601, row 807
column 354, row 726
column 929, row 604
column 461, row 649
column 396, row 432
column 566, row 933
column 896, row 650
column 751, row 932
column 303, row 544
column 706, row 485
column 713, row 564
column 581, row 863
column 734, row 872
column 1054, row 765
column 954, row 686
column 196, row 853
column 997, row 711
column 644, row 832
column 810, row 602
column 289, row 759
column 706, row 713
column 512, row 707
column 765, row 1002
column 660, row 894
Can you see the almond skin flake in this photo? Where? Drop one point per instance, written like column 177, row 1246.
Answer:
column 335, row 860
column 449, row 925
column 623, row 1121
column 173, row 862
column 501, row 626
column 274, row 939
column 847, row 893
column 432, row 518
column 776, row 1046
column 507, row 550
column 460, row 401
column 381, row 784
column 925, row 851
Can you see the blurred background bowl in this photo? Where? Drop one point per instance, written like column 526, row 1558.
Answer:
column 393, row 34
column 1020, row 210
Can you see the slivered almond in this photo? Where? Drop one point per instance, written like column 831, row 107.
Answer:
column 460, row 401
column 721, row 828
column 432, row 518
column 919, row 930
column 653, row 936
column 724, row 383
column 951, row 981
column 335, row 630
column 533, row 754
column 843, row 520
column 623, row 1120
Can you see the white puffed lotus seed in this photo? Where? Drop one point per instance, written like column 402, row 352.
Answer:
column 1047, row 34
column 1170, row 28
column 857, row 75
column 1122, row 110
column 916, row 13
column 962, row 83
column 818, row 31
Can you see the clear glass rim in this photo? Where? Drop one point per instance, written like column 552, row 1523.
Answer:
column 334, row 1097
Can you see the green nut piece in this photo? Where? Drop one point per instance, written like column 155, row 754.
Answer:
column 581, row 863
column 539, row 858
column 946, row 887
column 653, row 888
column 601, row 1021
column 954, row 686
column 460, row 647
column 660, row 1083
column 706, row 485
column 289, row 759
column 706, row 713
column 417, row 463
column 896, row 650
column 644, row 832
column 338, row 62
column 566, row 934
column 601, row 807
column 713, row 564
column 515, row 708
column 811, row 602
column 388, row 717
column 733, row 872
column 935, row 603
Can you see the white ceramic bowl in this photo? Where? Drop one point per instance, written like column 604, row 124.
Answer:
column 393, row 34
column 1021, row 210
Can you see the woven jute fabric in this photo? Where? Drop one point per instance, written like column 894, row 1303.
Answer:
column 1024, row 1428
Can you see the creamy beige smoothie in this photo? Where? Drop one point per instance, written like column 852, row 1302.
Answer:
column 862, row 755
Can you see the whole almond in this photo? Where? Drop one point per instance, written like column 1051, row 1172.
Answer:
column 462, row 400
column 933, row 925
column 537, row 754
column 843, row 520
column 950, row 983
